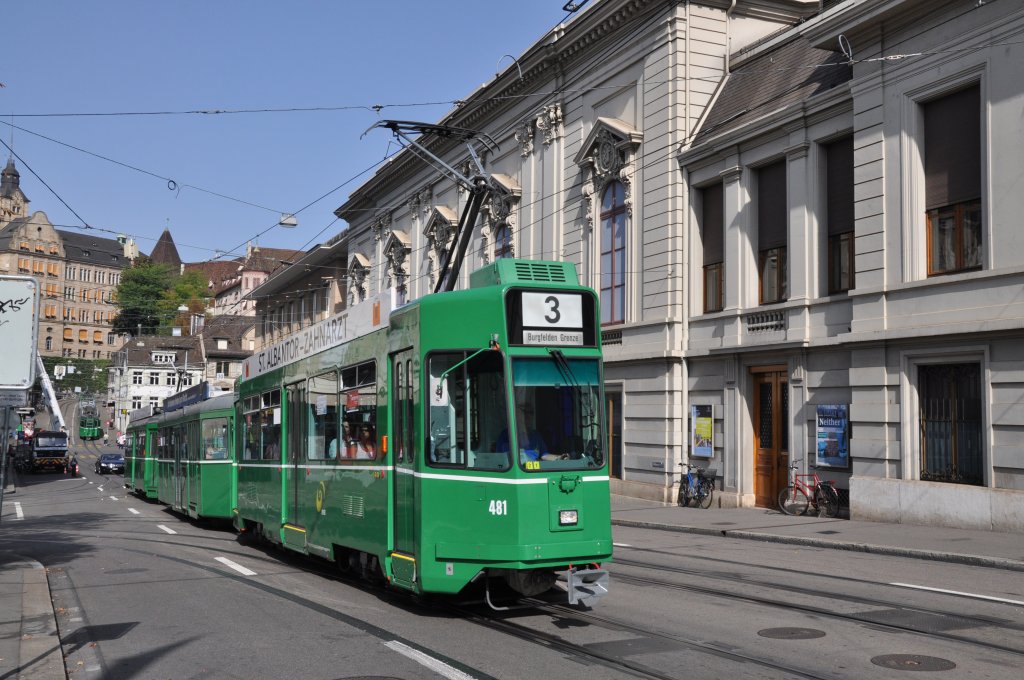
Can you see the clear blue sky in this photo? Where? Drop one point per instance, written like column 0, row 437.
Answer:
column 119, row 56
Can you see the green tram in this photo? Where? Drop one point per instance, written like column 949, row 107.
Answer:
column 139, row 455
column 194, row 466
column 90, row 428
column 389, row 450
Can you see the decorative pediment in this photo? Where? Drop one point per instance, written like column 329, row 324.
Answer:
column 608, row 155
column 609, row 145
column 396, row 250
column 500, row 214
column 380, row 225
column 440, row 226
column 358, row 268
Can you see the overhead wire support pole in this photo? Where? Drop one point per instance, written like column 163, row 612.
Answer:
column 480, row 185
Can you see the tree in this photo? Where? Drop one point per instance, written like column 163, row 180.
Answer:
column 141, row 298
column 190, row 290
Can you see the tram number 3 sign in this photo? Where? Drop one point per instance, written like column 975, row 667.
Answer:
column 552, row 319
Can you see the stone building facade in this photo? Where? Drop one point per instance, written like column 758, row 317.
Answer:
column 78, row 273
column 587, row 123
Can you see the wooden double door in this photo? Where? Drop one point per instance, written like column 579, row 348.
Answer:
column 771, row 433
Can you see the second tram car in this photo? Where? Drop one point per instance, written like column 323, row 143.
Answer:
column 460, row 441
column 90, row 428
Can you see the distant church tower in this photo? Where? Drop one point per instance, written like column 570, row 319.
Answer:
column 165, row 251
column 13, row 203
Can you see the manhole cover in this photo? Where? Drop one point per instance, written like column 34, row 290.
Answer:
column 913, row 662
column 791, row 633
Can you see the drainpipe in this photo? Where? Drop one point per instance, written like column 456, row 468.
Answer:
column 728, row 35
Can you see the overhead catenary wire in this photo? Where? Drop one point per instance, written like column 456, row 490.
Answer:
column 643, row 158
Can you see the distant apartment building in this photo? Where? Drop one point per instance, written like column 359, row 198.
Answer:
column 231, row 281
column 148, row 369
column 78, row 274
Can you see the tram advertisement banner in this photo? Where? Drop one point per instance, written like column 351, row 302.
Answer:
column 702, row 431
column 833, row 435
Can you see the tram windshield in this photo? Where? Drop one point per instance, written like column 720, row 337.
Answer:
column 557, row 413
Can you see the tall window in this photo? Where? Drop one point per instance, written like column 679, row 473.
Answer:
column 502, row 242
column 771, row 232
column 49, row 342
column 136, row 403
column 712, row 225
column 839, row 214
column 952, row 170
column 613, row 254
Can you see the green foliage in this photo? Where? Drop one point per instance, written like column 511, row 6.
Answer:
column 89, row 374
column 150, row 294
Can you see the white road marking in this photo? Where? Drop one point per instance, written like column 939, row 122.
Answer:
column 17, row 510
column 133, row 511
column 439, row 667
column 113, row 498
column 622, row 545
column 237, row 567
column 957, row 592
column 170, row 531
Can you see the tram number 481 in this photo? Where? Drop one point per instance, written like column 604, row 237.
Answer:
column 498, row 508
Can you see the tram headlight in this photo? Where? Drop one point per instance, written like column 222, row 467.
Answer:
column 567, row 517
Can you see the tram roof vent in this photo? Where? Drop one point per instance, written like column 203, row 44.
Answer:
column 508, row 271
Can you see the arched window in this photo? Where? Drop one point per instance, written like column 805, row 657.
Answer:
column 502, row 242
column 49, row 342
column 613, row 254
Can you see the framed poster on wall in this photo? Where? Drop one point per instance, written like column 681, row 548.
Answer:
column 833, row 435
column 702, row 431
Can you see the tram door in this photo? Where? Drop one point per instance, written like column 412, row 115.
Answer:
column 294, row 440
column 771, row 434
column 403, row 454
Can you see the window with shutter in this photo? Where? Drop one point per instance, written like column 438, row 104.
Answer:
column 772, row 224
column 711, row 228
column 952, row 169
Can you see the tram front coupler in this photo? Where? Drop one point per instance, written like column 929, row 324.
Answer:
column 586, row 585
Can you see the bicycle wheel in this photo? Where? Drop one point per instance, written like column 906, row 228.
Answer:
column 793, row 501
column 684, row 493
column 828, row 501
column 706, row 492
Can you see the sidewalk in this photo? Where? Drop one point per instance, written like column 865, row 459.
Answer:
column 29, row 645
column 962, row 546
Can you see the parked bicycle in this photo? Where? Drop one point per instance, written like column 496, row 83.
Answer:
column 697, row 485
column 809, row 491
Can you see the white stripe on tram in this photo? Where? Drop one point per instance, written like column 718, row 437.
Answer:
column 167, row 529
column 237, row 567
column 958, row 592
column 436, row 665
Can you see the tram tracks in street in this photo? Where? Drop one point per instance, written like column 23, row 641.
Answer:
column 861, row 618
column 592, row 653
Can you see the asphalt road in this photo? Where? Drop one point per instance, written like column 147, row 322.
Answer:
column 140, row 592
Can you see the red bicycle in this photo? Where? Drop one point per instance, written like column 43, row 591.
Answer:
column 809, row 491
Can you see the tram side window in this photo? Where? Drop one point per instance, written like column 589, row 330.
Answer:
column 215, row 438
column 467, row 411
column 359, row 416
column 322, row 417
column 262, row 422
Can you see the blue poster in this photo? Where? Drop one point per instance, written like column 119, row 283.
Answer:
column 702, row 429
column 833, row 435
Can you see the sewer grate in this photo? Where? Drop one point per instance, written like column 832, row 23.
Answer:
column 913, row 662
column 828, row 532
column 791, row 633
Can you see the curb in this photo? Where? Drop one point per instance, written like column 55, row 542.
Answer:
column 934, row 555
column 40, row 656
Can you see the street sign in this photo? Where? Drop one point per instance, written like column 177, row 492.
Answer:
column 13, row 397
column 19, row 328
